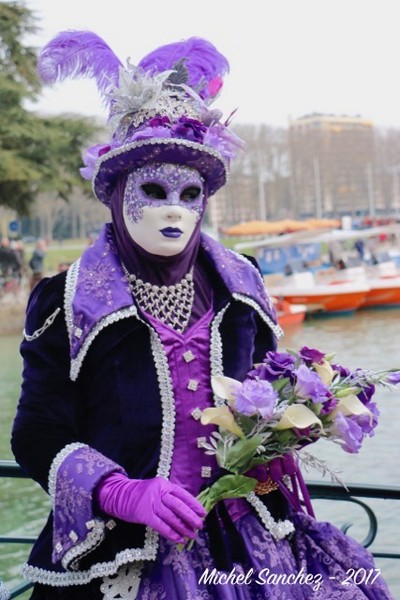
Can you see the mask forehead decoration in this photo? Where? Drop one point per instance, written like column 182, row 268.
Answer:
column 161, row 184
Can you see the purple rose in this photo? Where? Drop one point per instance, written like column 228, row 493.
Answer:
column 329, row 406
column 360, row 379
column 189, row 129
column 310, row 355
column 393, row 377
column 366, row 393
column 349, row 433
column 276, row 365
column 150, row 132
column 309, row 385
column 364, row 421
column 256, row 397
column 90, row 158
column 159, row 122
column 343, row 371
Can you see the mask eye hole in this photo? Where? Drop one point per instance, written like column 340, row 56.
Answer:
column 190, row 193
column 154, row 191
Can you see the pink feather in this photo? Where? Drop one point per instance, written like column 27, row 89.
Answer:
column 205, row 64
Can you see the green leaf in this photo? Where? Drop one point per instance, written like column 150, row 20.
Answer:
column 228, row 486
column 245, row 423
column 347, row 391
column 279, row 384
column 239, row 455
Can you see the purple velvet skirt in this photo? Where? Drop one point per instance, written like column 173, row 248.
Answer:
column 319, row 562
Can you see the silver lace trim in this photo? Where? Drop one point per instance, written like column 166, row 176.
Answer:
column 76, row 363
column 278, row 529
column 4, row 593
column 92, row 540
column 57, row 462
column 276, row 329
column 216, row 363
column 70, row 286
column 167, row 403
column 124, row 585
column 158, row 142
column 170, row 304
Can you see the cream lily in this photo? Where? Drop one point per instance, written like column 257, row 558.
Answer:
column 351, row 405
column 298, row 416
column 225, row 387
column 325, row 371
column 222, row 417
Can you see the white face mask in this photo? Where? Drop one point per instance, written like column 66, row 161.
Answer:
column 162, row 206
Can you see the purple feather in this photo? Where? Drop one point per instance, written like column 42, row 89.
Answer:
column 74, row 54
column 203, row 61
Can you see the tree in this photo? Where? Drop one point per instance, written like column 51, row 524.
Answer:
column 37, row 153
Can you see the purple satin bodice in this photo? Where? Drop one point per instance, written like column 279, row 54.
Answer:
column 188, row 356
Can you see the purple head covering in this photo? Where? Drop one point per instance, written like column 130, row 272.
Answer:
column 159, row 110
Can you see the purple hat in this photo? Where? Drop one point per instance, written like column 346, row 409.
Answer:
column 159, row 110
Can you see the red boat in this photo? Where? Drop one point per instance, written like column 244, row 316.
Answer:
column 289, row 314
column 384, row 282
column 335, row 297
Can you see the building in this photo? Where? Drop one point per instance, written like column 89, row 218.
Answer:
column 332, row 159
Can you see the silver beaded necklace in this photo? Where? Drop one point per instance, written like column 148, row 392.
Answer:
column 171, row 304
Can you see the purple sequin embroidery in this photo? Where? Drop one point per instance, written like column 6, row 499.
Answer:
column 174, row 179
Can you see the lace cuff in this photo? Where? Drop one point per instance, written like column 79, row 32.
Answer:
column 4, row 593
column 74, row 474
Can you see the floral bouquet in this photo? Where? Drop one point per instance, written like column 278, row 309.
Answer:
column 289, row 400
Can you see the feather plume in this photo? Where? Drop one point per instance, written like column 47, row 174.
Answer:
column 203, row 62
column 74, row 54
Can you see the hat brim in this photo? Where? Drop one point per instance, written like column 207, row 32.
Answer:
column 207, row 161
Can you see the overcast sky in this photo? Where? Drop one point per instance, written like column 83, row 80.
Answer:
column 288, row 57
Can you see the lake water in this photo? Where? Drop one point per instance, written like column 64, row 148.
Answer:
column 368, row 339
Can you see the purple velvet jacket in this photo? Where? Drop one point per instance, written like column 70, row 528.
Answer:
column 97, row 396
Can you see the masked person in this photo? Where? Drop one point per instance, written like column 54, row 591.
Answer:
column 119, row 353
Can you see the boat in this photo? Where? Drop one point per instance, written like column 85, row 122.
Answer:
column 288, row 314
column 297, row 268
column 384, row 283
column 343, row 296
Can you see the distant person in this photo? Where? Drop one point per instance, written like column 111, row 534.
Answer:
column 37, row 262
column 10, row 264
column 336, row 255
column 360, row 247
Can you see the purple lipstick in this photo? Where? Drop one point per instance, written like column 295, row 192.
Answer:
column 171, row 232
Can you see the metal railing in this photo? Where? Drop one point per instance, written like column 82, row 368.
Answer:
column 318, row 491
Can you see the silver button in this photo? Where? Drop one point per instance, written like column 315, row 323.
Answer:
column 111, row 524
column 188, row 356
column 59, row 547
column 193, row 385
column 206, row 471
column 196, row 413
column 201, row 441
column 78, row 332
column 73, row 535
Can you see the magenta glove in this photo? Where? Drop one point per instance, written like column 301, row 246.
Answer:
column 164, row 506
